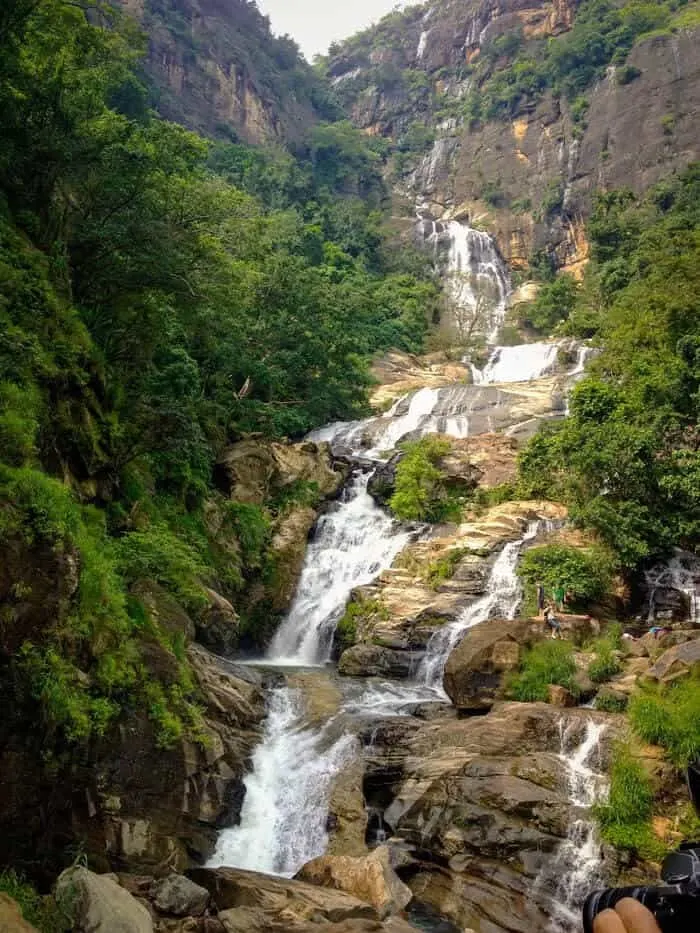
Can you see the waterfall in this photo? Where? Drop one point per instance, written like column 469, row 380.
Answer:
column 502, row 599
column 422, row 44
column 476, row 276
column 420, row 406
column 518, row 364
column 283, row 818
column 681, row 573
column 577, row 866
column 353, row 543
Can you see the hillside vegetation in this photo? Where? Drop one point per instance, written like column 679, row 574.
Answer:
column 158, row 298
column 627, row 460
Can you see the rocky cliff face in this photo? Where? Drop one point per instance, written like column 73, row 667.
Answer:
column 529, row 175
column 216, row 67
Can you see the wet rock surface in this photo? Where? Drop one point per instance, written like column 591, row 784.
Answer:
column 477, row 669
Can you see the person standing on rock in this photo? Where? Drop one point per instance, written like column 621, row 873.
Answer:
column 540, row 599
column 559, row 593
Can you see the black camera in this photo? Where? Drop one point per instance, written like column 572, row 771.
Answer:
column 676, row 903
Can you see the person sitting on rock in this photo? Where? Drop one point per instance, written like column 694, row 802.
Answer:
column 540, row 599
column 552, row 623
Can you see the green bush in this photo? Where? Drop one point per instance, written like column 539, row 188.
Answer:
column 585, row 573
column 670, row 717
column 421, row 492
column 252, row 529
column 444, row 567
column 546, row 663
column 156, row 553
column 605, row 664
column 554, row 304
column 42, row 912
column 625, row 818
column 609, row 702
column 357, row 610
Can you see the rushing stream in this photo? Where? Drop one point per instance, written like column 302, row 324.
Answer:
column 283, row 819
column 353, row 543
column 284, row 814
column 501, row 599
column 576, row 870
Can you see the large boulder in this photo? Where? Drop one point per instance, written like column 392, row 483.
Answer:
column 382, row 482
column 145, row 806
column 371, row 879
column 179, row 896
column 255, row 469
column 218, row 624
column 234, row 889
column 97, row 904
column 287, row 553
column 11, row 919
column 679, row 661
column 375, row 661
column 477, row 669
column 482, row 805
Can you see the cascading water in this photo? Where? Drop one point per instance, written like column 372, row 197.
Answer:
column 475, row 273
column 502, row 598
column 283, row 819
column 577, row 867
column 681, row 573
column 518, row 364
column 353, row 543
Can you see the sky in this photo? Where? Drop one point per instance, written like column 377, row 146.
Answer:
column 316, row 23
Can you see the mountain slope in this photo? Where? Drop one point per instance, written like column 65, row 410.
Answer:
column 215, row 67
column 514, row 112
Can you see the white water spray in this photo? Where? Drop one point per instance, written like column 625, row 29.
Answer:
column 476, row 275
column 577, row 867
column 283, row 819
column 353, row 543
column 681, row 573
column 502, row 599
column 521, row 363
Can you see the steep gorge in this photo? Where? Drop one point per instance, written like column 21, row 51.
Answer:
column 473, row 808
column 529, row 173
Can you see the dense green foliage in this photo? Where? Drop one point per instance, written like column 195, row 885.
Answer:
column 603, row 33
column 605, row 664
column 358, row 611
column 546, row 663
column 42, row 912
column 583, row 573
column 607, row 701
column 627, row 460
column 421, row 492
column 625, row 817
column 670, row 717
column 554, row 304
column 159, row 297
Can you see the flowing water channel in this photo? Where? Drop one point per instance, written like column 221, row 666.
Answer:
column 284, row 814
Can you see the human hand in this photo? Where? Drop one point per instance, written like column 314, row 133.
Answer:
column 629, row 916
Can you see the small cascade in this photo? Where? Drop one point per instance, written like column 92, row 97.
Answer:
column 501, row 600
column 283, row 818
column 577, row 868
column 680, row 573
column 352, row 544
column 422, row 44
column 476, row 275
column 521, row 363
column 421, row 405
